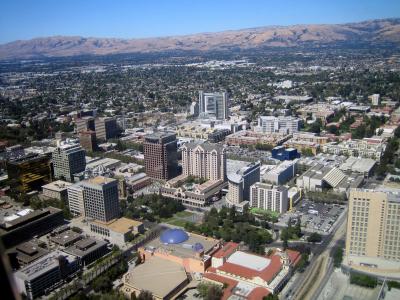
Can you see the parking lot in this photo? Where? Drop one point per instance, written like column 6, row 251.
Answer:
column 315, row 217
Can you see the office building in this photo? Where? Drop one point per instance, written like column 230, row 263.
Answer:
column 281, row 153
column 281, row 173
column 17, row 226
column 68, row 159
column 281, row 124
column 373, row 232
column 205, row 161
column 44, row 274
column 87, row 140
column 87, row 250
column 106, row 128
column 269, row 197
column 375, row 99
column 160, row 155
column 214, row 105
column 100, row 196
column 239, row 184
column 29, row 172
column 194, row 109
column 56, row 190
column 118, row 231
column 84, row 124
column 75, row 200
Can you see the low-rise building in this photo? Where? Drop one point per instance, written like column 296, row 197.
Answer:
column 248, row 137
column 57, row 190
column 118, row 230
column 87, row 250
column 249, row 276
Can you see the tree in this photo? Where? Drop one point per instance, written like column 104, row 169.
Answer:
column 314, row 238
column 145, row 295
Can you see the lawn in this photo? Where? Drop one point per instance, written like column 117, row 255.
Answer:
column 268, row 213
column 179, row 219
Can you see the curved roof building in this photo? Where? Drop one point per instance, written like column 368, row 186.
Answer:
column 174, row 236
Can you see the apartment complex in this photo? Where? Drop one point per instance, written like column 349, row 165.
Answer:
column 281, row 124
column 100, row 195
column 106, row 128
column 366, row 148
column 29, row 172
column 68, row 159
column 239, row 183
column 269, row 197
column 160, row 155
column 214, row 105
column 205, row 161
column 305, row 140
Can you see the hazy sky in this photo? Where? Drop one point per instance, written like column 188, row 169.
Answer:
column 25, row 19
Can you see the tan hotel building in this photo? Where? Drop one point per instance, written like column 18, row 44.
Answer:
column 373, row 231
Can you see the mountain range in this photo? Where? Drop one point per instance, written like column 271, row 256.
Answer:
column 367, row 33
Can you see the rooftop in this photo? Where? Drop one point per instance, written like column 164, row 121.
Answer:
column 66, row 238
column 121, row 225
column 248, row 260
column 157, row 275
column 85, row 246
column 57, row 186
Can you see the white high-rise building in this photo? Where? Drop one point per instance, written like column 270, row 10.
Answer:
column 206, row 161
column 375, row 99
column 240, row 182
column 281, row 124
column 75, row 200
column 269, row 197
column 68, row 159
column 214, row 105
column 194, row 109
column 100, row 195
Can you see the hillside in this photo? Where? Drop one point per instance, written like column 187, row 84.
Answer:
column 374, row 32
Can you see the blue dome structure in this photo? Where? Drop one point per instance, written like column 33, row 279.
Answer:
column 174, row 236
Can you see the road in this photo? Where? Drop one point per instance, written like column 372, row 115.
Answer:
column 306, row 285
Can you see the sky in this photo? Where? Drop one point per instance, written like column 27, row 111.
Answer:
column 26, row 19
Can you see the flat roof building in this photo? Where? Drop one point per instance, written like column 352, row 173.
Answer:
column 160, row 155
column 57, row 190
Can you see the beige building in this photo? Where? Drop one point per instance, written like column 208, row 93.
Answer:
column 373, row 231
column 204, row 161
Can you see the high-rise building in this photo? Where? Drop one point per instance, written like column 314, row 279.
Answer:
column 281, row 124
column 68, row 159
column 29, row 172
column 373, row 227
column 375, row 99
column 87, row 140
column 194, row 109
column 207, row 161
column 269, row 197
column 75, row 200
column 106, row 128
column 214, row 105
column 100, row 196
column 240, row 182
column 160, row 155
column 85, row 123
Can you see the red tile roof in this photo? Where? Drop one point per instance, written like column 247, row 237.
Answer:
column 258, row 293
column 266, row 274
column 294, row 256
column 217, row 278
column 226, row 250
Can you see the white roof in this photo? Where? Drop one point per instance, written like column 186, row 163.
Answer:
column 249, row 261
